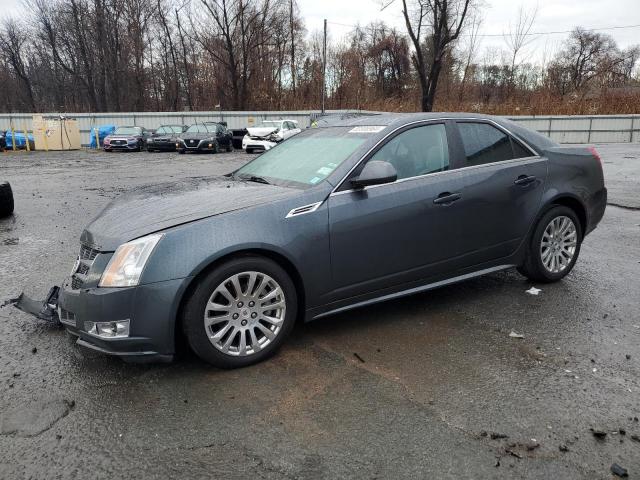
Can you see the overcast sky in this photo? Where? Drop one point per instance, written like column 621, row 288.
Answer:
column 553, row 15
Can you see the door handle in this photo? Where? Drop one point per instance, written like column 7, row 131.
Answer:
column 525, row 179
column 447, row 198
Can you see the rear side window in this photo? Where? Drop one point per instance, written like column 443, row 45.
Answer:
column 519, row 151
column 484, row 143
column 418, row 151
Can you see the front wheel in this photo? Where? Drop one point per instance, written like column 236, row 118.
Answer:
column 554, row 246
column 241, row 312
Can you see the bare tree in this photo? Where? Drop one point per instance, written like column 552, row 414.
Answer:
column 433, row 26
column 13, row 45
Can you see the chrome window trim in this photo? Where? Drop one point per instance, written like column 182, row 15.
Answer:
column 426, row 122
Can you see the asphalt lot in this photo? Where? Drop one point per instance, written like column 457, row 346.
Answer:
column 412, row 388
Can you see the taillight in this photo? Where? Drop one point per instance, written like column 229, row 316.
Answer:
column 595, row 153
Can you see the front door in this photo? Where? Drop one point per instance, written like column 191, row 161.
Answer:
column 403, row 231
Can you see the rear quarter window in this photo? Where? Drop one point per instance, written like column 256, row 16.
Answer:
column 483, row 143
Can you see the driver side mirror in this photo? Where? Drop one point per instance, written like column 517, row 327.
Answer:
column 375, row 172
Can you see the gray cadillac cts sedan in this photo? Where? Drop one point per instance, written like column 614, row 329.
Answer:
column 337, row 217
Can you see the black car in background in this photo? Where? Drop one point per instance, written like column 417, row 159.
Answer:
column 3, row 142
column 205, row 137
column 127, row 139
column 164, row 138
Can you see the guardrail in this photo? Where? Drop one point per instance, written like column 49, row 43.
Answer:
column 561, row 128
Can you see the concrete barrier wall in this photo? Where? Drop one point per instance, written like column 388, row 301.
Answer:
column 563, row 129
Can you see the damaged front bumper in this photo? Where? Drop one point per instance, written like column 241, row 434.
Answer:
column 46, row 309
column 258, row 143
column 142, row 317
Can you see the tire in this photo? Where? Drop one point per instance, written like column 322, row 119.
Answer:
column 242, row 318
column 249, row 150
column 216, row 147
column 229, row 148
column 181, row 152
column 548, row 266
column 6, row 199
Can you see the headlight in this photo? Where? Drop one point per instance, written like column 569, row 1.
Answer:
column 126, row 265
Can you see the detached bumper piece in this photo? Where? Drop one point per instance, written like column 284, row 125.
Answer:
column 45, row 310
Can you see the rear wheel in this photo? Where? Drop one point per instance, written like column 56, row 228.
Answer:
column 249, row 150
column 240, row 313
column 554, row 246
column 6, row 199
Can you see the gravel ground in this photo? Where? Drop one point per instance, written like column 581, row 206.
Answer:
column 422, row 387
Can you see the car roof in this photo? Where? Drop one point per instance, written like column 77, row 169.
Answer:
column 390, row 119
column 394, row 120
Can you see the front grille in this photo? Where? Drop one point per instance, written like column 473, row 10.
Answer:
column 83, row 269
column 87, row 253
column 76, row 283
column 85, row 260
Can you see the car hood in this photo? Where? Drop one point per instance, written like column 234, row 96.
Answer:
column 153, row 208
column 261, row 131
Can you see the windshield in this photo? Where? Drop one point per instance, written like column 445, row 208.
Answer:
column 171, row 129
column 305, row 159
column 128, row 131
column 199, row 128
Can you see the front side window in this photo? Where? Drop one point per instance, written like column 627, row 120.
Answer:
column 307, row 158
column 484, row 143
column 418, row 151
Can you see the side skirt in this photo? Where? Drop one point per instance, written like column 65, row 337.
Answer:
column 411, row 291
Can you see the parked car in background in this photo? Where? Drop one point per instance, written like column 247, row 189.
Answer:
column 209, row 137
column 164, row 138
column 268, row 134
column 6, row 199
column 3, row 142
column 126, row 139
column 335, row 218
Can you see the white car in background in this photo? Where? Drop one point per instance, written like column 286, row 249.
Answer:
column 268, row 133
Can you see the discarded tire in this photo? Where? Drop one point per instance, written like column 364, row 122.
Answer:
column 6, row 199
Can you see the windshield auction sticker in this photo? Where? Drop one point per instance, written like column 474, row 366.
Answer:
column 367, row 129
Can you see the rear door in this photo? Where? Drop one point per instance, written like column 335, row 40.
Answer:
column 404, row 231
column 503, row 184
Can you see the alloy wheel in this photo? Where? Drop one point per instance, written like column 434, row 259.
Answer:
column 245, row 313
column 558, row 245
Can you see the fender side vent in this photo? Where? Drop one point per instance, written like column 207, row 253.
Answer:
column 304, row 209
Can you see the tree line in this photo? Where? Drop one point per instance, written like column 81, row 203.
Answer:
column 159, row 55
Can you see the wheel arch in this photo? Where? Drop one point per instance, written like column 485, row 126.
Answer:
column 575, row 204
column 204, row 269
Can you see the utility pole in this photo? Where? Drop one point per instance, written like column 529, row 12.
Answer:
column 324, row 64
